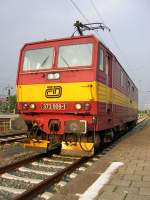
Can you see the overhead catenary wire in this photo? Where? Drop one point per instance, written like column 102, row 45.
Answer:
column 102, row 19
column 99, row 16
column 83, row 15
column 78, row 9
column 97, row 11
column 97, row 33
column 111, row 34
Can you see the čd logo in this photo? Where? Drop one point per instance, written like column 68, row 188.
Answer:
column 53, row 92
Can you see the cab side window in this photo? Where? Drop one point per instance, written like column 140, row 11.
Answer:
column 128, row 86
column 101, row 59
column 122, row 79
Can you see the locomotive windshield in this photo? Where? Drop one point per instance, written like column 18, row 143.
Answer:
column 75, row 55
column 68, row 56
column 38, row 59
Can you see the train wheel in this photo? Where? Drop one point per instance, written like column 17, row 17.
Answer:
column 109, row 136
column 58, row 150
column 99, row 143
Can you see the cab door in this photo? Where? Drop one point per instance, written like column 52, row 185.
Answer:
column 104, row 78
column 104, row 88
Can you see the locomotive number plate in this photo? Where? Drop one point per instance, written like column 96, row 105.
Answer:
column 53, row 106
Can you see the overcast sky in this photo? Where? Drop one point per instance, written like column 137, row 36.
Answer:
column 23, row 21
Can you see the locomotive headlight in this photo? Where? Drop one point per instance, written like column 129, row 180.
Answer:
column 52, row 76
column 78, row 106
column 32, row 106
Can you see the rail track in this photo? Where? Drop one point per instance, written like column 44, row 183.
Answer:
column 44, row 171
column 36, row 175
column 10, row 138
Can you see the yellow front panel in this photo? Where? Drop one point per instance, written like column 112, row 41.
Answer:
column 80, row 91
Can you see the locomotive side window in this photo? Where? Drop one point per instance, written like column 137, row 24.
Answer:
column 128, row 86
column 38, row 59
column 75, row 55
column 101, row 59
column 122, row 80
column 132, row 88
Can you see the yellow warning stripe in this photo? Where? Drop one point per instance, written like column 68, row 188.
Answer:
column 110, row 95
column 76, row 91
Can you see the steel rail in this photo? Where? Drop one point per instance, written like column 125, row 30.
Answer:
column 4, row 139
column 21, row 162
column 41, row 187
column 12, row 135
column 12, row 140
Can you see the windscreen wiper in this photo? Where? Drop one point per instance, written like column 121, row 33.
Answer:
column 44, row 61
column 65, row 61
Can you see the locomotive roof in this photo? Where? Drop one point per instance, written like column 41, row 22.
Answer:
column 62, row 39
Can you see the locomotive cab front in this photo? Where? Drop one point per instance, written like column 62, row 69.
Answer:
column 56, row 92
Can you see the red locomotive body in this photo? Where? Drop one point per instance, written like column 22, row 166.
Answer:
column 74, row 90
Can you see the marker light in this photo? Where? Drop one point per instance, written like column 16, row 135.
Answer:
column 32, row 106
column 25, row 106
column 53, row 76
column 87, row 106
column 78, row 106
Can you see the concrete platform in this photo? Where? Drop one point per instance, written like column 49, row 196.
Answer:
column 129, row 182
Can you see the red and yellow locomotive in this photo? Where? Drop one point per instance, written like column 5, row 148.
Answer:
column 72, row 92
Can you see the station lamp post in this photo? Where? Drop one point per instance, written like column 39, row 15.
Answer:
column 8, row 97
